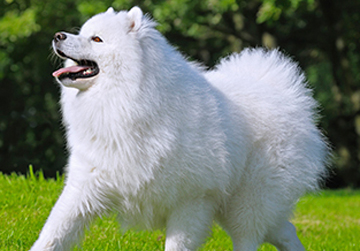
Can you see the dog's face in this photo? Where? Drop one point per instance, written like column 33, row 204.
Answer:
column 100, row 47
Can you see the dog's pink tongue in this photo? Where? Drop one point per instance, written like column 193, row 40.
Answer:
column 73, row 69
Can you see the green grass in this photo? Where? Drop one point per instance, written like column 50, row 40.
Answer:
column 327, row 221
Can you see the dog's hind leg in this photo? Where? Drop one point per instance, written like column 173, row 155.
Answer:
column 189, row 225
column 251, row 212
column 284, row 238
column 244, row 225
column 65, row 225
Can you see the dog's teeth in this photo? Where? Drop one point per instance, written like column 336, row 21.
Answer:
column 88, row 71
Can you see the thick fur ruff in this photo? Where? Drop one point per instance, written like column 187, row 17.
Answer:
column 166, row 144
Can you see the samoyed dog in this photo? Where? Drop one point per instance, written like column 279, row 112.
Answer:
column 166, row 144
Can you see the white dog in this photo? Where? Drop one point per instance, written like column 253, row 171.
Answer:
column 168, row 145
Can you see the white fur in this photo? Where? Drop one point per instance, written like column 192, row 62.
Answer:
column 167, row 145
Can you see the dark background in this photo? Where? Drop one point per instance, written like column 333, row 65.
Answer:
column 323, row 35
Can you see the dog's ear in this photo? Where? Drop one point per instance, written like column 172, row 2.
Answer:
column 110, row 10
column 135, row 16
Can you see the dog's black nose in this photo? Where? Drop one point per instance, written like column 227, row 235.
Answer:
column 59, row 36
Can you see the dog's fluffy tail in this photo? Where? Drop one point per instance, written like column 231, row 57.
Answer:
column 261, row 68
column 267, row 76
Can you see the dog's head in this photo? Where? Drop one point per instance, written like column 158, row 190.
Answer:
column 106, row 43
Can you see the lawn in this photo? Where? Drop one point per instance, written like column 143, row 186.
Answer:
column 327, row 221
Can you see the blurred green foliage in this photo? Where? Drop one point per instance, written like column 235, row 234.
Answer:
column 323, row 35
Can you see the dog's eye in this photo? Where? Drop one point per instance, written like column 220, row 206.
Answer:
column 96, row 39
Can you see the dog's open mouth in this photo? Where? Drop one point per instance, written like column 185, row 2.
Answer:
column 83, row 69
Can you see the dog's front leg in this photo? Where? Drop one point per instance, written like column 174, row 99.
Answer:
column 66, row 222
